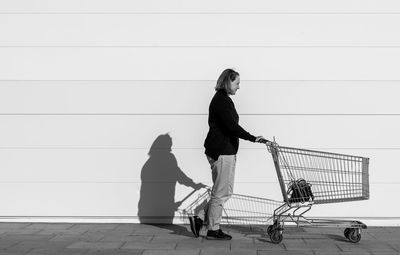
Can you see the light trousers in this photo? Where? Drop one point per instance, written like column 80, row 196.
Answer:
column 223, row 176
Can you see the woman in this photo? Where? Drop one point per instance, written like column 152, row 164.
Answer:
column 221, row 146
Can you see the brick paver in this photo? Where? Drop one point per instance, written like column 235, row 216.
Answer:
column 50, row 251
column 123, row 239
column 172, row 252
column 95, row 245
column 149, row 245
column 114, row 252
column 86, row 237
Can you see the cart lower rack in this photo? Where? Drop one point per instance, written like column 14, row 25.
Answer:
column 308, row 177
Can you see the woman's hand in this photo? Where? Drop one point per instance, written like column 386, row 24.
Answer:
column 260, row 139
column 200, row 185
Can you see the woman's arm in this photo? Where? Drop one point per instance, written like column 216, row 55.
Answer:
column 225, row 114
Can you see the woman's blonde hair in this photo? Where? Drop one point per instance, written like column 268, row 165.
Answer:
column 226, row 77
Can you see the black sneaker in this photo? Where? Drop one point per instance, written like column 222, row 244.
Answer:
column 217, row 235
column 195, row 225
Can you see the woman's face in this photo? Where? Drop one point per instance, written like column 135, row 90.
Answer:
column 234, row 85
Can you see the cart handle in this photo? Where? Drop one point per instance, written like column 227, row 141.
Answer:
column 269, row 144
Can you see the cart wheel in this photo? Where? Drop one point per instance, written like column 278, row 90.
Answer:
column 276, row 236
column 354, row 236
column 270, row 229
column 346, row 232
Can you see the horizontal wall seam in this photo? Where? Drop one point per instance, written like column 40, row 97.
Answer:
column 176, row 148
column 138, row 182
column 174, row 80
column 198, row 114
column 200, row 46
column 135, row 216
column 162, row 217
column 122, row 182
column 199, row 13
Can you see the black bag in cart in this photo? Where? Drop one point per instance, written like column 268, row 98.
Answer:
column 300, row 191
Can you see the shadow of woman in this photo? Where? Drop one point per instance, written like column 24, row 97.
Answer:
column 159, row 177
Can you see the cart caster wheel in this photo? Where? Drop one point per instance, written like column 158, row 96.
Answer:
column 346, row 232
column 354, row 236
column 270, row 229
column 276, row 237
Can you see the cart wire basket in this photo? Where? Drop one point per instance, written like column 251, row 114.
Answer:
column 308, row 177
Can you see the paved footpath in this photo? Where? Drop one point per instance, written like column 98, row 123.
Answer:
column 110, row 239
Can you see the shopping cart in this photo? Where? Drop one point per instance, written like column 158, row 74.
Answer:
column 309, row 177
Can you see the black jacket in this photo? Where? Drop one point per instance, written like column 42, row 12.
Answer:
column 224, row 133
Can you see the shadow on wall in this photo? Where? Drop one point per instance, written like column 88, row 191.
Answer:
column 159, row 176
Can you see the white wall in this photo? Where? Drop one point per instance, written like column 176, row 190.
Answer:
column 87, row 86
